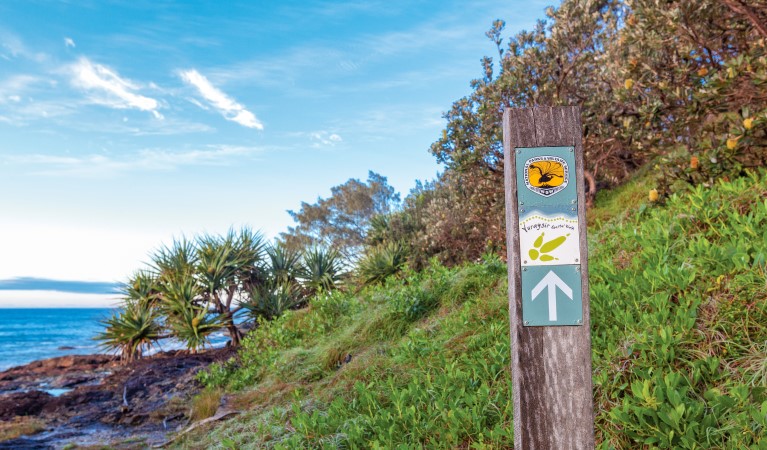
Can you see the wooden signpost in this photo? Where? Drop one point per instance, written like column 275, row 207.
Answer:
column 548, row 279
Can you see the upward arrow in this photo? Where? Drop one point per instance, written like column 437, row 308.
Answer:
column 552, row 282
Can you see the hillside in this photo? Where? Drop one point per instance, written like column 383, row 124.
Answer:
column 679, row 330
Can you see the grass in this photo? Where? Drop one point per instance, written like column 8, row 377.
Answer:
column 679, row 332
column 20, row 426
column 205, row 404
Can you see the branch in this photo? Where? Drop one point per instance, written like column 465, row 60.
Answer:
column 739, row 7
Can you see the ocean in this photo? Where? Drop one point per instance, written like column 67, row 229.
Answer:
column 30, row 334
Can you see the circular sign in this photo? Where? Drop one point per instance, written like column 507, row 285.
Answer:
column 546, row 175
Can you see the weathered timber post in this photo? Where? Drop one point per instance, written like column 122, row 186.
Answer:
column 548, row 279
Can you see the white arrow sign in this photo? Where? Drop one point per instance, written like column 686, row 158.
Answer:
column 552, row 281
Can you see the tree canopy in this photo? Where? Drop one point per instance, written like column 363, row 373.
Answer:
column 341, row 221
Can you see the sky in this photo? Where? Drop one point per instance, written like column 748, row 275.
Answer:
column 126, row 124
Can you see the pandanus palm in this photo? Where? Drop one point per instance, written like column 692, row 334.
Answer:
column 272, row 298
column 175, row 262
column 225, row 267
column 142, row 287
column 131, row 331
column 189, row 319
column 280, row 289
column 285, row 264
column 135, row 327
column 381, row 262
column 322, row 270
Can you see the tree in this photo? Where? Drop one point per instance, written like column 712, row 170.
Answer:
column 194, row 288
column 341, row 221
column 226, row 267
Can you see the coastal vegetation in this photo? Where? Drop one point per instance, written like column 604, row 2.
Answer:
column 679, row 322
column 195, row 288
column 384, row 323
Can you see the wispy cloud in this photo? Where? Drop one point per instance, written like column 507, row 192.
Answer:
column 228, row 107
column 11, row 46
column 13, row 87
column 100, row 165
column 69, row 42
column 324, row 139
column 120, row 92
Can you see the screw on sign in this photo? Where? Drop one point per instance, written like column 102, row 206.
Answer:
column 548, row 279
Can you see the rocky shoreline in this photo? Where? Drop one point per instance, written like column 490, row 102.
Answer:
column 98, row 400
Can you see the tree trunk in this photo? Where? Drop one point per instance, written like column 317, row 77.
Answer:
column 234, row 333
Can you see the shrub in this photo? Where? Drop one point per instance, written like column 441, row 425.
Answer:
column 381, row 262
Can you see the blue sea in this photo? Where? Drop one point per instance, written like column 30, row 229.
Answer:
column 30, row 334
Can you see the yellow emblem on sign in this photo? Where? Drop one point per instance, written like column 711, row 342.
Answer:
column 546, row 175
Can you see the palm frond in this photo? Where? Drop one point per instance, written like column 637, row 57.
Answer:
column 131, row 331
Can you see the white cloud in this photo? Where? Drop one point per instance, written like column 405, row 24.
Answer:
column 69, row 42
column 228, row 107
column 11, row 46
column 324, row 139
column 120, row 92
column 99, row 165
column 15, row 85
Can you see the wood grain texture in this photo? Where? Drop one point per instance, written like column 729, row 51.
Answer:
column 551, row 366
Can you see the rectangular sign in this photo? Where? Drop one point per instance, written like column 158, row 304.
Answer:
column 546, row 176
column 549, row 236
column 551, row 295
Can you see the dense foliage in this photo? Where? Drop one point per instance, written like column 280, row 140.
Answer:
column 679, row 84
column 679, row 322
column 194, row 289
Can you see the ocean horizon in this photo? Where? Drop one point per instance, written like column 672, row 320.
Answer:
column 30, row 334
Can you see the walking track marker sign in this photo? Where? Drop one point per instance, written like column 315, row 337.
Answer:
column 548, row 279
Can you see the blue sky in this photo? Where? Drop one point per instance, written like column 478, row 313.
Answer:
column 126, row 123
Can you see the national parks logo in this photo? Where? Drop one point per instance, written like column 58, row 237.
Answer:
column 546, row 175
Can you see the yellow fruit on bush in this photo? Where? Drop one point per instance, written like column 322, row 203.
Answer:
column 629, row 83
column 694, row 162
column 748, row 123
column 702, row 72
column 732, row 143
column 730, row 72
column 195, row 322
column 653, row 195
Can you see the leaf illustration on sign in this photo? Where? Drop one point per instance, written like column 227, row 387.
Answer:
column 548, row 239
column 542, row 249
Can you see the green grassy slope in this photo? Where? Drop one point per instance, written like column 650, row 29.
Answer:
column 679, row 329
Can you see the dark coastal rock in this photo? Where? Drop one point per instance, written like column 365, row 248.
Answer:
column 77, row 401
column 148, row 397
column 71, row 380
column 62, row 372
column 25, row 443
column 23, row 404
